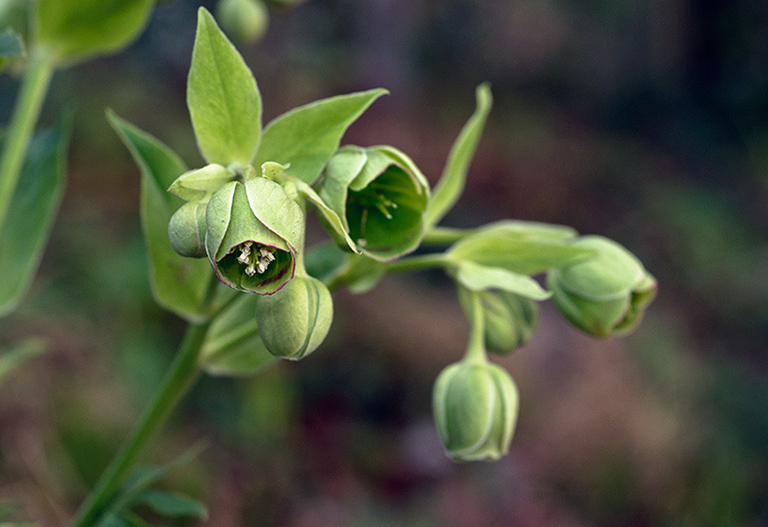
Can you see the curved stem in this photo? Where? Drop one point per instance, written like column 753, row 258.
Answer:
column 184, row 371
column 476, row 347
column 25, row 113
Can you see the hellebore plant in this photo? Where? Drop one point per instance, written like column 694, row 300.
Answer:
column 226, row 252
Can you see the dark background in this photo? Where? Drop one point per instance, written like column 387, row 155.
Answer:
column 642, row 121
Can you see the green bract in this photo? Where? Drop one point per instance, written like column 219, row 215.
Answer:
column 294, row 321
column 510, row 320
column 253, row 233
column 606, row 294
column 380, row 196
column 475, row 407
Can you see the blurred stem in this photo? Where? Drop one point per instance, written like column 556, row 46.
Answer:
column 182, row 375
column 445, row 236
column 34, row 86
column 416, row 263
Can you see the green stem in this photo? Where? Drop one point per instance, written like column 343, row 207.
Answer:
column 25, row 113
column 476, row 347
column 416, row 263
column 184, row 371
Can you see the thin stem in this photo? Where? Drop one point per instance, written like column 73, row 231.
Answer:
column 476, row 347
column 416, row 263
column 184, row 371
column 445, row 236
column 25, row 113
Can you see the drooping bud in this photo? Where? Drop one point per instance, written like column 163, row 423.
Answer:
column 253, row 230
column 605, row 295
column 294, row 321
column 186, row 230
column 245, row 21
column 380, row 196
column 475, row 407
column 510, row 320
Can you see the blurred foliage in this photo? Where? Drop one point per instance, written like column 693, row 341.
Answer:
column 643, row 122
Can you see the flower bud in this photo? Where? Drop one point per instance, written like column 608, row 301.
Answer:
column 186, row 230
column 294, row 321
column 475, row 407
column 253, row 230
column 605, row 295
column 245, row 21
column 510, row 320
column 380, row 196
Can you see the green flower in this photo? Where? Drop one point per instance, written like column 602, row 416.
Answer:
column 380, row 196
column 475, row 407
column 186, row 230
column 605, row 295
column 253, row 233
column 294, row 321
column 510, row 320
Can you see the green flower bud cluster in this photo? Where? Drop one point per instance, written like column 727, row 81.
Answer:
column 245, row 21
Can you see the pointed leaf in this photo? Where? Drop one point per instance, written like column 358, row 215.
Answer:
column 223, row 99
column 19, row 354
column 31, row 214
column 170, row 504
column 178, row 284
column 480, row 278
column 451, row 184
column 77, row 29
column 307, row 136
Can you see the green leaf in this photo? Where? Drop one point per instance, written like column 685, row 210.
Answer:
column 31, row 214
column 232, row 345
column 451, row 184
column 77, row 29
column 521, row 247
column 178, row 284
column 307, row 136
column 481, row 278
column 18, row 355
column 121, row 519
column 223, row 99
column 170, row 504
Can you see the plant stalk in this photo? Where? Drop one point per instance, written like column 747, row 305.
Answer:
column 37, row 79
column 182, row 375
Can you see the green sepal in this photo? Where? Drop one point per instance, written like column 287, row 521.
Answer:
column 307, row 136
column 186, row 230
column 178, row 284
column 521, row 247
column 452, row 181
column 475, row 407
column 74, row 30
column 232, row 346
column 223, row 98
column 201, row 183
column 31, row 214
column 294, row 321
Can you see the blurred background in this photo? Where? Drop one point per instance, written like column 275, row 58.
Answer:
column 646, row 122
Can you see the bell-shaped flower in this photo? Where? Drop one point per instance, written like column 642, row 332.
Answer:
column 253, row 233
column 475, row 406
column 294, row 321
column 604, row 295
column 380, row 196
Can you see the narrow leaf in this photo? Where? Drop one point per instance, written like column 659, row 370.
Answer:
column 31, row 214
column 223, row 99
column 18, row 355
column 480, row 278
column 307, row 136
column 171, row 504
column 178, row 284
column 77, row 29
column 451, row 184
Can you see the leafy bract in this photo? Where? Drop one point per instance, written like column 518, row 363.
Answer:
column 76, row 29
column 481, row 278
column 451, row 184
column 307, row 136
column 223, row 99
column 31, row 214
column 178, row 284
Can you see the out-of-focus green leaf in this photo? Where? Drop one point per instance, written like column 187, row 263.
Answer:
column 12, row 359
column 307, row 136
column 25, row 232
column 223, row 99
column 451, row 184
column 178, row 284
column 76, row 29
column 481, row 278
column 170, row 504
column 232, row 345
column 521, row 247
column 11, row 46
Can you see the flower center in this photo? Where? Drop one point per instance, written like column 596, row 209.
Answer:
column 256, row 258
